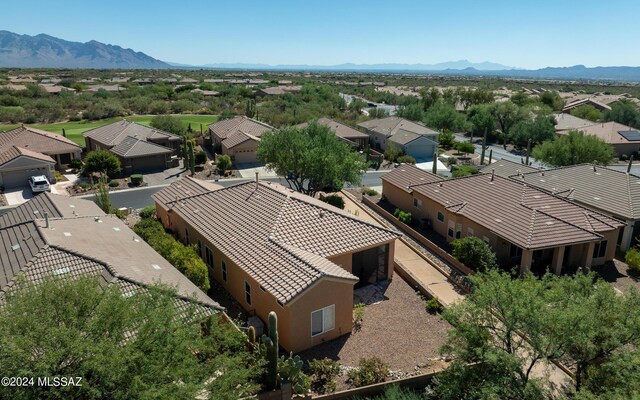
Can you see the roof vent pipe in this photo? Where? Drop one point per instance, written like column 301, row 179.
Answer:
column 257, row 180
column 46, row 219
column 493, row 174
column 594, row 168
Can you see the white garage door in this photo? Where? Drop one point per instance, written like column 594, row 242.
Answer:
column 421, row 152
column 14, row 179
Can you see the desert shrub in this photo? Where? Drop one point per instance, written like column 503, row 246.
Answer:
column 223, row 163
column 623, row 157
column 358, row 316
column 84, row 185
column 368, row 191
column 632, row 258
column 433, row 306
column 101, row 161
column 463, row 170
column 75, row 164
column 58, row 176
column 334, row 200
column 201, row 157
column 147, row 212
column 369, row 371
column 323, row 373
column 406, row 159
column 136, row 179
column 474, row 253
column 114, row 183
column 403, row 216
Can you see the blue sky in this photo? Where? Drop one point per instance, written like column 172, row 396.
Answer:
column 527, row 34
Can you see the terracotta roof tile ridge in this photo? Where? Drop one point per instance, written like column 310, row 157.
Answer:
column 532, row 226
column 153, row 129
column 210, row 191
column 13, row 225
column 560, row 220
column 285, row 247
column 55, row 207
column 277, row 220
column 23, row 269
column 597, row 218
column 50, row 135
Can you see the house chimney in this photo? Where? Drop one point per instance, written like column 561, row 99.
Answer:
column 46, row 219
column 493, row 174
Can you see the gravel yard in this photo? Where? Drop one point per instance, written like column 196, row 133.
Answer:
column 615, row 272
column 398, row 330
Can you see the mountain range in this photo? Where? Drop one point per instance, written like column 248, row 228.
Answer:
column 44, row 51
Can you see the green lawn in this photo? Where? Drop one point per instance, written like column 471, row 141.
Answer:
column 74, row 129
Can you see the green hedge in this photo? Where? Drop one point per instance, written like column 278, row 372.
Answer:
column 184, row 258
column 136, row 179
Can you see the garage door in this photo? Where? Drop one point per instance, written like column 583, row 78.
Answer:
column 421, row 152
column 16, row 179
column 245, row 156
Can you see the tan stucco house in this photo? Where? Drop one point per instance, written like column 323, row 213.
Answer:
column 140, row 148
column 238, row 138
column 413, row 138
column 277, row 250
column 525, row 226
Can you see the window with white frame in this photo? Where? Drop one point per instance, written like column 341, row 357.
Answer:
column 323, row 320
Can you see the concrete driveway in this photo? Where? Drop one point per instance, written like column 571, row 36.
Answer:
column 18, row 196
column 249, row 171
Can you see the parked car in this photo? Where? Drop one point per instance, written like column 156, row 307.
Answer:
column 39, row 183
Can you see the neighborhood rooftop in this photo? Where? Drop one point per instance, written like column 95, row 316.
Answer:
column 279, row 237
column 114, row 133
column 530, row 218
column 508, row 168
column 391, row 125
column 37, row 140
column 225, row 128
column 604, row 188
column 135, row 147
column 408, row 175
column 87, row 241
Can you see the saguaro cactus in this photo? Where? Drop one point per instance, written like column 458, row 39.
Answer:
column 271, row 345
column 191, row 157
column 434, row 168
column 484, row 147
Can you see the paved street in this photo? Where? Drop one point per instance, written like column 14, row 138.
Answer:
column 141, row 197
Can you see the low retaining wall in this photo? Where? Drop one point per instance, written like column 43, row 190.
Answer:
column 420, row 238
column 413, row 382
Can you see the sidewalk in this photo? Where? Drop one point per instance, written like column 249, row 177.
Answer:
column 420, row 269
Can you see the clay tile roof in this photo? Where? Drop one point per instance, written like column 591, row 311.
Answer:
column 407, row 175
column 527, row 217
column 38, row 140
column 279, row 237
column 507, row 168
column 614, row 192
column 610, row 132
column 81, row 245
column 10, row 153
column 237, row 138
column 341, row 130
column 227, row 127
column 390, row 125
column 112, row 134
column 131, row 147
column 56, row 205
column 184, row 187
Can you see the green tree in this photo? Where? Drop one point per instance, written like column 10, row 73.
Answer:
column 392, row 152
column 506, row 114
column 446, row 139
column 520, row 99
column 463, row 170
column 442, row 116
column 537, row 131
column 587, row 111
column 429, row 97
column 141, row 346
column 311, row 158
column 486, row 328
column 412, row 112
column 624, row 112
column 552, row 99
column 592, row 323
column 464, row 147
column 474, row 253
column 102, row 161
column 574, row 148
column 168, row 123
column 481, row 118
column 223, row 162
